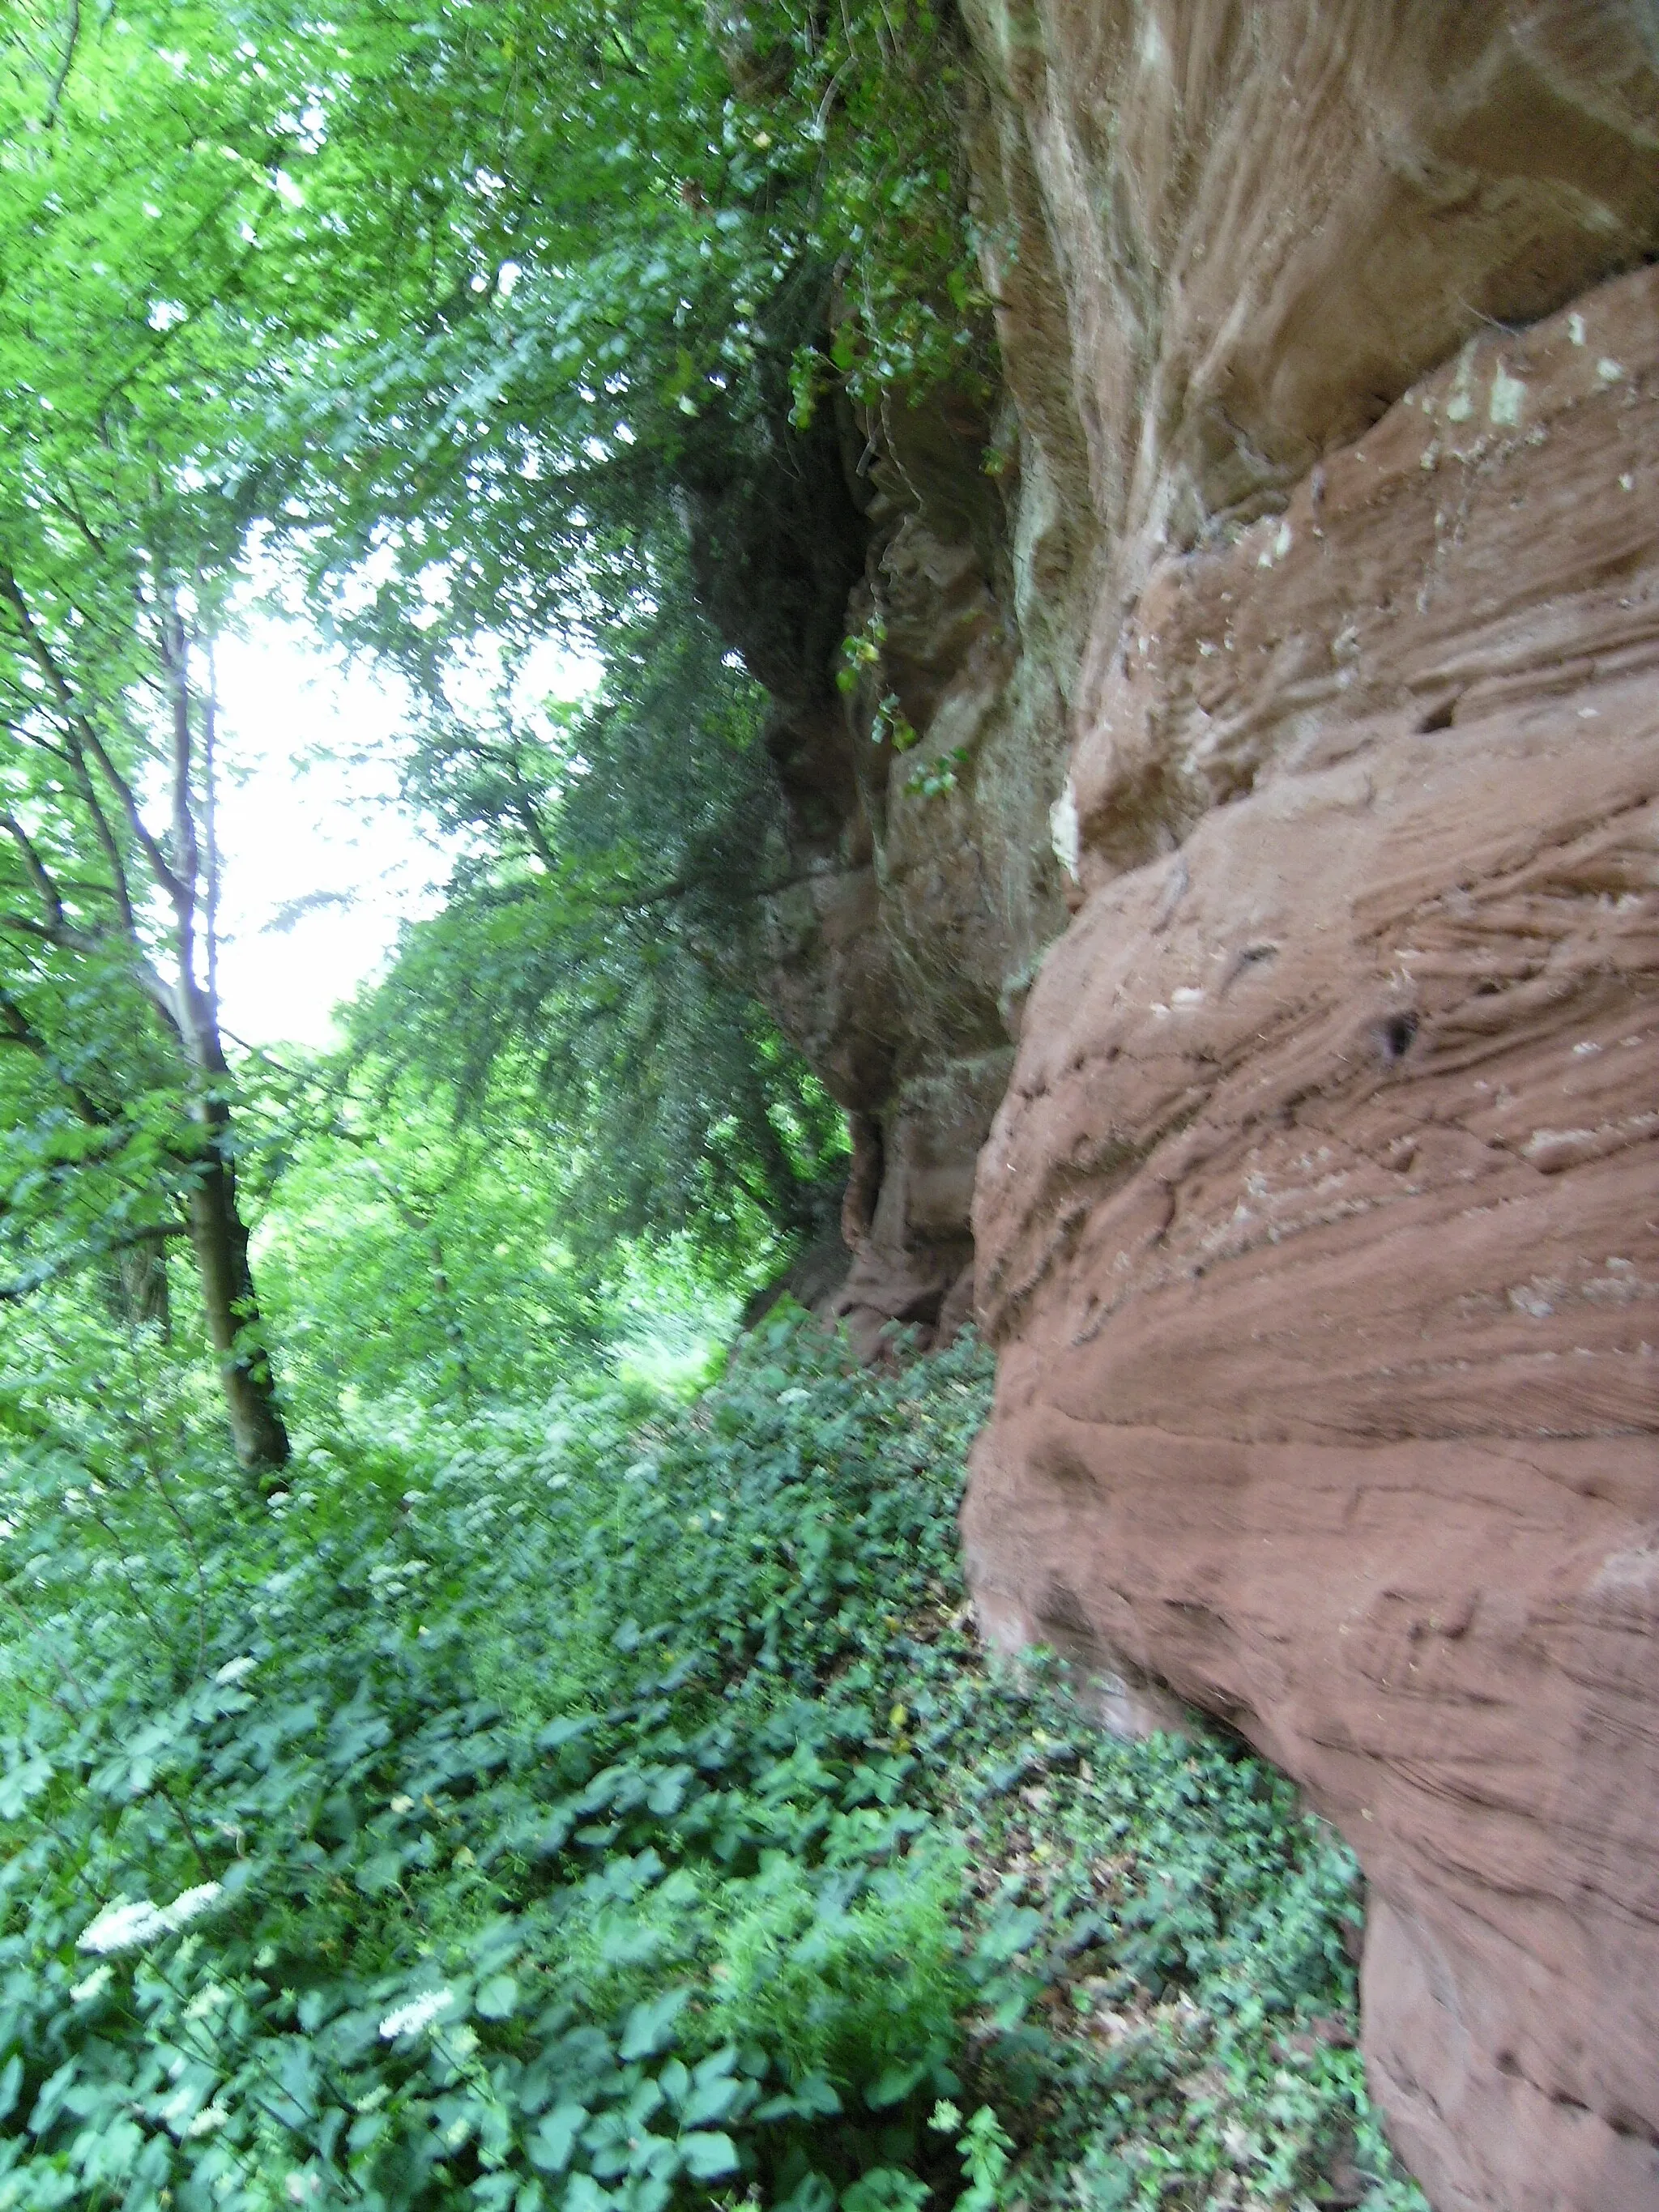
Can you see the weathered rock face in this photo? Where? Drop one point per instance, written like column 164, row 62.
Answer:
column 1222, row 237
column 1319, row 1232
column 1319, row 1229
column 922, row 886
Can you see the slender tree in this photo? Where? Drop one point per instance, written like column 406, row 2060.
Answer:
column 130, row 319
column 141, row 909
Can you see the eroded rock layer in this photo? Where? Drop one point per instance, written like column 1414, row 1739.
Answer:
column 1319, row 530
column 1222, row 237
column 1320, row 1229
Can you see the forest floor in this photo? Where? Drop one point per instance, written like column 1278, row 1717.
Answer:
column 604, row 1803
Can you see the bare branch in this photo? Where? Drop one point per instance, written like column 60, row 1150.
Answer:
column 175, row 660
column 82, row 1255
column 154, row 989
column 74, row 759
column 65, row 939
column 210, row 827
column 127, row 800
column 54, row 98
column 37, row 871
column 16, row 1028
column 530, row 822
column 67, row 505
column 103, row 830
column 41, row 743
column 82, row 729
column 174, row 641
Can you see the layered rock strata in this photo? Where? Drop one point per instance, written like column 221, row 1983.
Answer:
column 1319, row 1232
column 1316, row 1233
column 1221, row 237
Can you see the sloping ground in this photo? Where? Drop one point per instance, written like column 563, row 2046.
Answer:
column 601, row 1805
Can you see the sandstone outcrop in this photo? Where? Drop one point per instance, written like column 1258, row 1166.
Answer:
column 921, row 883
column 1319, row 1232
column 1303, row 649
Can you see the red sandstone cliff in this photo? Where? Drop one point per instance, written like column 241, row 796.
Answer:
column 1318, row 1233
column 1320, row 1229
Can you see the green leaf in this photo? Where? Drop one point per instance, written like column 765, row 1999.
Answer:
column 497, row 1998
column 381, row 1872
column 1013, row 1929
column 565, row 1730
column 649, row 2027
column 22, row 1783
column 550, row 2143
column 895, row 2083
column 710, row 2101
column 884, row 2188
column 708, row 2155
column 667, row 1793
column 584, row 2194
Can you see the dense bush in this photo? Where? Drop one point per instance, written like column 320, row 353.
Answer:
column 602, row 1803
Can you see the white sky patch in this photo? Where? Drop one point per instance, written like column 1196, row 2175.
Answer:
column 308, row 810
column 322, row 860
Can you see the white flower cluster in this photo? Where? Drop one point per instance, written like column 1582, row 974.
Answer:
column 120, row 1927
column 420, row 2012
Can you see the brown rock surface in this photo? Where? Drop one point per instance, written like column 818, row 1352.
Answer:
column 1319, row 1232
column 1222, row 236
column 1227, row 235
column 914, row 916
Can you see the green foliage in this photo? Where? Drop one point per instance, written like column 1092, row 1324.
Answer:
column 860, row 651
column 405, row 1250
column 590, row 1803
column 472, row 316
column 402, row 1252
column 936, row 777
column 591, row 947
column 151, row 252
column 984, row 2146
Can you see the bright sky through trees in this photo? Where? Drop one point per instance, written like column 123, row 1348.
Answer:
column 322, row 861
column 311, row 817
column 439, row 334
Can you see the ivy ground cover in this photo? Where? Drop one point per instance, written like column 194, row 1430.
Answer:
column 603, row 1803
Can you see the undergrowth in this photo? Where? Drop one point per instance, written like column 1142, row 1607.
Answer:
column 604, row 1804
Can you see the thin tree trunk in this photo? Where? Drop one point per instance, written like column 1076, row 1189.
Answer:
column 217, row 1231
column 187, row 1002
column 219, row 1238
column 450, row 1320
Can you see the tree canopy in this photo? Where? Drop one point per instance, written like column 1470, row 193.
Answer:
column 447, row 312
